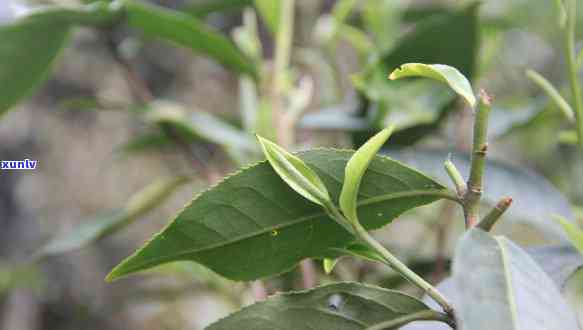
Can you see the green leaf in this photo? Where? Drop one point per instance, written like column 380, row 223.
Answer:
column 187, row 31
column 212, row 6
column 451, row 38
column 270, row 10
column 354, row 172
column 535, row 198
column 444, row 73
column 493, row 276
column 200, row 124
column 573, row 232
column 253, row 225
column 329, row 264
column 342, row 306
column 295, row 173
column 574, row 294
column 104, row 225
column 552, row 93
column 29, row 47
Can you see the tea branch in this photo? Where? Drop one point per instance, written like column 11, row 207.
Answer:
column 473, row 194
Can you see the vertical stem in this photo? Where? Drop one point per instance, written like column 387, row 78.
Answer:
column 570, row 54
column 281, row 66
column 479, row 151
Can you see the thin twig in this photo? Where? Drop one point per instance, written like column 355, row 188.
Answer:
column 494, row 215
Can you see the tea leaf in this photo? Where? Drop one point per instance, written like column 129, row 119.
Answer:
column 444, row 73
column 295, row 173
column 354, row 172
column 187, row 31
column 229, row 227
column 493, row 276
column 346, row 306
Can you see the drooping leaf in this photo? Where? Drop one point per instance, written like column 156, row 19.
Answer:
column 27, row 51
column 270, row 11
column 444, row 73
column 254, row 225
column 104, row 225
column 299, row 176
column 493, row 276
column 31, row 43
column 355, row 169
column 187, row 31
column 342, row 306
column 535, row 198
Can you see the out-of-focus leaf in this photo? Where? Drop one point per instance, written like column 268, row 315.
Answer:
column 552, row 93
column 493, row 276
column 30, row 44
column 505, row 119
column 559, row 261
column 299, row 176
column 270, row 11
column 574, row 294
column 213, row 6
column 346, row 306
column 535, row 199
column 355, row 169
column 27, row 51
column 333, row 118
column 573, row 232
column 104, row 225
column 254, row 225
column 444, row 73
column 568, row 137
column 187, row 31
column 143, row 143
column 198, row 124
column 18, row 276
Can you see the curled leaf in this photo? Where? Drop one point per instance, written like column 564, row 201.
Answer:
column 444, row 73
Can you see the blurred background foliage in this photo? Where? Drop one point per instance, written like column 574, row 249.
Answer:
column 143, row 109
